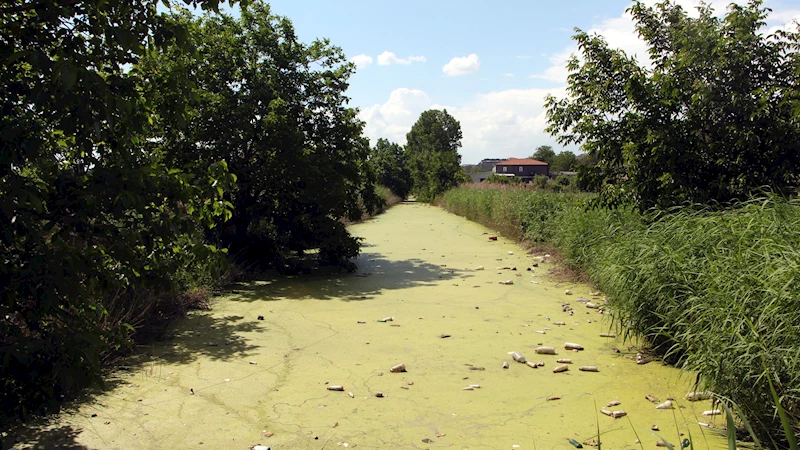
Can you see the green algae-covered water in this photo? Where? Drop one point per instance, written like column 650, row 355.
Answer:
column 229, row 380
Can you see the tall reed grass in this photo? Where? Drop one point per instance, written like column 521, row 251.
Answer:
column 716, row 291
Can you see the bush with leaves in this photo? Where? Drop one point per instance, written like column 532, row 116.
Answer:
column 92, row 217
column 391, row 167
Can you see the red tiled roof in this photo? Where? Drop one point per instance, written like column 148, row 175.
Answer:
column 521, row 162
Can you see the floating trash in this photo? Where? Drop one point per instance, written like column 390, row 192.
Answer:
column 444, row 336
column 546, row 350
column 351, row 394
column 507, row 282
column 336, row 388
column 379, row 394
column 666, row 405
column 479, row 268
column 386, row 319
column 553, row 398
column 564, row 361
column 575, row 443
column 713, row 412
column 561, row 368
column 612, row 403
column 505, row 364
column 517, row 357
column 608, row 335
column 568, row 292
column 398, row 368
column 492, row 238
column 572, row 346
column 588, row 369
column 698, row 396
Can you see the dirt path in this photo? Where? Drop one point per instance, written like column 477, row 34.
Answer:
column 229, row 380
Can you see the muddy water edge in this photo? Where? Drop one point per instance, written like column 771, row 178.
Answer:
column 256, row 368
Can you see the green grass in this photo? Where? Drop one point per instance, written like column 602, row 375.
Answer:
column 715, row 291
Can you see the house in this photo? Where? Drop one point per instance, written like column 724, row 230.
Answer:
column 524, row 168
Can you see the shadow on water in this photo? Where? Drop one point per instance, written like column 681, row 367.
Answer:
column 375, row 275
column 220, row 337
column 38, row 436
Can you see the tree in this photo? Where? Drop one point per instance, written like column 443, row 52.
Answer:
column 432, row 149
column 713, row 119
column 544, row 153
column 92, row 219
column 564, row 161
column 274, row 109
column 391, row 167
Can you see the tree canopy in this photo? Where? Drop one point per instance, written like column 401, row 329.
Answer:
column 544, row 153
column 713, row 118
column 432, row 152
column 274, row 109
column 391, row 167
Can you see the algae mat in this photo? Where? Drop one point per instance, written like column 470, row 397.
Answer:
column 229, row 380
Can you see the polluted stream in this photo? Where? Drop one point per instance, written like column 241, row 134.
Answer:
column 306, row 362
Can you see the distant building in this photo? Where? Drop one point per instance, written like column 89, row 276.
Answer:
column 523, row 168
column 489, row 163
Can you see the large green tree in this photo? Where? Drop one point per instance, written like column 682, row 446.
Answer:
column 564, row 161
column 432, row 150
column 714, row 117
column 91, row 218
column 275, row 110
column 391, row 167
column 544, row 153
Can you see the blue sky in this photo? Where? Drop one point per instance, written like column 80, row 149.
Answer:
column 489, row 63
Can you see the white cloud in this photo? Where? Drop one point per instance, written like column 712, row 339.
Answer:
column 494, row 125
column 361, row 61
column 388, row 58
column 620, row 33
column 462, row 65
column 508, row 74
column 523, row 57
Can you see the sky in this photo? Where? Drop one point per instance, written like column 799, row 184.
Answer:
column 490, row 64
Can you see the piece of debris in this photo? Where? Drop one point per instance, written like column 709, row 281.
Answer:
column 564, row 361
column 444, row 336
column 468, row 388
column 561, row 368
column 398, row 368
column 546, row 350
column 654, row 428
column 613, row 403
column 268, row 433
column 606, row 412
column 492, row 237
column 559, row 323
column 651, row 398
column 379, row 394
column 618, row 414
column 713, row 412
column 575, row 443
column 698, row 396
column 588, row 369
column 507, row 282
column 428, row 441
column 361, row 322
column 591, row 305
column 572, row 346
column 191, row 391
column 336, row 388
column 540, row 332
column 253, row 363
column 479, row 268
column 386, row 319
column 260, row 317
column 608, row 335
column 477, row 368
column 517, row 357
column 351, row 395
column 568, row 292
column 505, row 364
column 666, row 405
